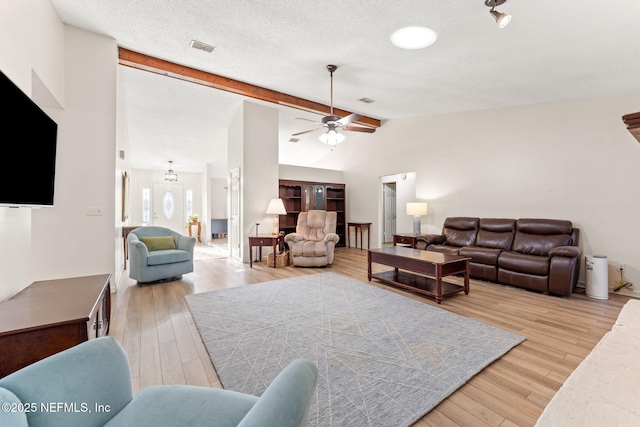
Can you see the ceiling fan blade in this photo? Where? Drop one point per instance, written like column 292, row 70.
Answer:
column 349, row 119
column 308, row 120
column 306, row 131
column 358, row 129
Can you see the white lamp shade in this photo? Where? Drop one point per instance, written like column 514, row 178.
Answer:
column 276, row 207
column 416, row 208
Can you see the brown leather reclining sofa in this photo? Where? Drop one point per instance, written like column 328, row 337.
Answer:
column 536, row 254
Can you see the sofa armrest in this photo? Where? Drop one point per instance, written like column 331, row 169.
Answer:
column 429, row 239
column 293, row 238
column 186, row 243
column 285, row 403
column 566, row 251
column 139, row 249
column 95, row 372
column 564, row 269
column 332, row 237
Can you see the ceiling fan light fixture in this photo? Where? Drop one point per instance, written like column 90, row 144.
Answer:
column 413, row 37
column 331, row 137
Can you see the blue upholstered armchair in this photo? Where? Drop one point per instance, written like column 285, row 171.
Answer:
column 90, row 385
column 158, row 253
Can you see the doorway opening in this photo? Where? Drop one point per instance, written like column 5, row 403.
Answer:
column 389, row 211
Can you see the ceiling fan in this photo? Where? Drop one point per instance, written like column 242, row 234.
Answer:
column 334, row 123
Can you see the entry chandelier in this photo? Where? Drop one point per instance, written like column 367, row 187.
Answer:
column 170, row 176
column 501, row 18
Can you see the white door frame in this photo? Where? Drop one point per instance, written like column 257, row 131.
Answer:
column 235, row 214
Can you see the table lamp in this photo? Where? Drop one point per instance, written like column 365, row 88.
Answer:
column 417, row 209
column 276, row 208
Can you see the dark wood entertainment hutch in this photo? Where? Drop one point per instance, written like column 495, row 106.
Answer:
column 50, row 316
column 303, row 196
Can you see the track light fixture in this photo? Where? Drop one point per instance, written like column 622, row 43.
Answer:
column 501, row 18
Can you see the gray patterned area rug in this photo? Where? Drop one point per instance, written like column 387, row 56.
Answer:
column 383, row 359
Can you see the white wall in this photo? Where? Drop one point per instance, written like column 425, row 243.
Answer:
column 73, row 69
column 65, row 241
column 253, row 146
column 204, row 211
column 570, row 160
column 33, row 26
column 123, row 165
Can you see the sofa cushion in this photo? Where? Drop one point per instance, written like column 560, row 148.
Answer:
column 309, row 248
column 168, row 256
column 536, row 244
column 544, row 226
column 158, row 243
column 460, row 231
column 451, row 250
column 481, row 255
column 529, row 264
column 496, row 233
column 179, row 405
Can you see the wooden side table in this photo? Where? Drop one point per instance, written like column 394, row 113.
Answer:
column 360, row 227
column 199, row 225
column 406, row 239
column 265, row 240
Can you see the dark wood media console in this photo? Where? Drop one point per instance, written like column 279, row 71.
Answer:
column 50, row 316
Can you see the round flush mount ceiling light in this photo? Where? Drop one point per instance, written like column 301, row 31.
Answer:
column 413, row 37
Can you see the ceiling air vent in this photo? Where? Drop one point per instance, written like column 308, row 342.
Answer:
column 294, row 139
column 201, row 46
column 366, row 100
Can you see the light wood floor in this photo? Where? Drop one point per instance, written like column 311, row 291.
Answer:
column 156, row 329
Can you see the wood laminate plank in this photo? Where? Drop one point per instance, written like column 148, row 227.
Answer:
column 512, row 391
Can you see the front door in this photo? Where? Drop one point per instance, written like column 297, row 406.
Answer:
column 168, row 207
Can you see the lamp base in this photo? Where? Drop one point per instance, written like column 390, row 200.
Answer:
column 276, row 225
column 416, row 224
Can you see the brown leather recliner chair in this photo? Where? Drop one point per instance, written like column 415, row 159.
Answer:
column 457, row 232
column 313, row 243
column 544, row 257
column 495, row 235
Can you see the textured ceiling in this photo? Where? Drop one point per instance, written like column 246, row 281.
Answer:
column 551, row 51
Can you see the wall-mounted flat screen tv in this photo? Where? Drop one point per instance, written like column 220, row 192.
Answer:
column 28, row 147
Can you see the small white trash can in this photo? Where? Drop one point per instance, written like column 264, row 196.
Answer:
column 597, row 276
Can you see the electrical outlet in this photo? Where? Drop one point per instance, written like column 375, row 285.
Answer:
column 93, row 211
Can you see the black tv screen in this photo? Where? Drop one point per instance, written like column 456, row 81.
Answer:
column 28, row 139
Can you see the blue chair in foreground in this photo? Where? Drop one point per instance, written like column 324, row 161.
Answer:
column 90, row 385
column 159, row 254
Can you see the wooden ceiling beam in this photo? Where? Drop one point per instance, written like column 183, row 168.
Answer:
column 144, row 62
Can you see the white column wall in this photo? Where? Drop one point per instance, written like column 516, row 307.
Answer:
column 64, row 67
column 253, row 146
column 570, row 160
column 65, row 241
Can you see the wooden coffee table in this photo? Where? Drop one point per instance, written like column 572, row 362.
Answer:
column 407, row 261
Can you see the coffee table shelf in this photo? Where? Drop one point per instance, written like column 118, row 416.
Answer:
column 420, row 271
column 420, row 284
